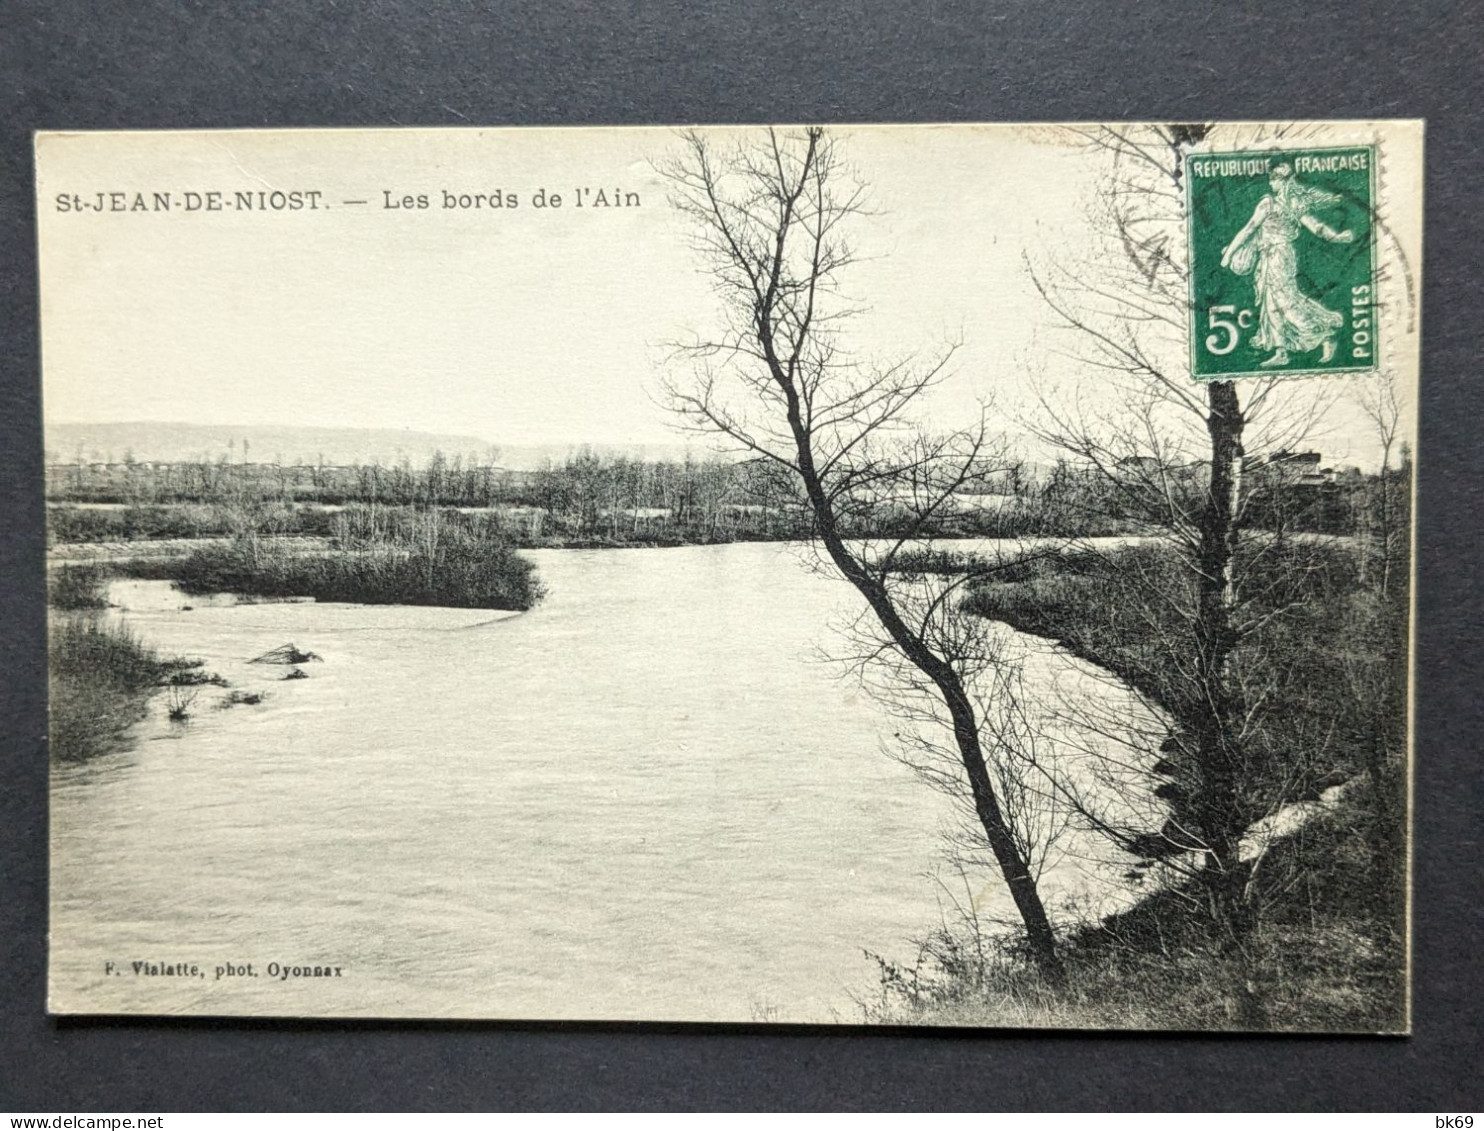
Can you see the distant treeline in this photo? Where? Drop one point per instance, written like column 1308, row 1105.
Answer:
column 591, row 499
column 584, row 480
column 587, row 499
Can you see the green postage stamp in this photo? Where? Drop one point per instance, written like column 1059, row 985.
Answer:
column 1282, row 262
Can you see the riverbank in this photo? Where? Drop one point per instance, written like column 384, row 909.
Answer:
column 1323, row 670
column 529, row 527
column 1319, row 966
column 421, row 560
column 102, row 676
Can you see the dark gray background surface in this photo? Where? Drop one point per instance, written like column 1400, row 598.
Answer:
column 66, row 64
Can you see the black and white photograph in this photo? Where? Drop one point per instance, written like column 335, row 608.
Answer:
column 944, row 576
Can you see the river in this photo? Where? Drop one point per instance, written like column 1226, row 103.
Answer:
column 648, row 798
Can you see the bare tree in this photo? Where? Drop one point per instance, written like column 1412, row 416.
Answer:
column 1174, row 455
column 1384, row 522
column 778, row 381
column 1009, row 725
column 1375, row 664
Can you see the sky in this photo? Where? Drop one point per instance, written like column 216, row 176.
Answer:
column 520, row 326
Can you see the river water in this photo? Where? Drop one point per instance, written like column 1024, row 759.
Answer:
column 648, row 798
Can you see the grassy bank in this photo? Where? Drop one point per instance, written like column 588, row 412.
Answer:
column 102, row 679
column 1321, row 670
column 75, row 588
column 535, row 527
column 157, row 522
column 423, row 560
column 1318, row 964
column 1323, row 647
column 102, row 675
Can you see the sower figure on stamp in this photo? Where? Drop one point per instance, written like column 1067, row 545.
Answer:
column 1288, row 319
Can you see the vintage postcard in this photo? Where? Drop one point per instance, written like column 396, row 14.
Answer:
column 933, row 575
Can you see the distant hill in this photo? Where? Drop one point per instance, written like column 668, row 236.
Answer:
column 175, row 443
column 525, row 457
column 292, row 444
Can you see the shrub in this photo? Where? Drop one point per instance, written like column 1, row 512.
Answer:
column 454, row 564
column 181, row 699
column 75, row 587
column 1328, row 958
column 101, row 681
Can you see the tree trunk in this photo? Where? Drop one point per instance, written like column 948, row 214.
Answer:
column 1219, row 805
column 779, row 288
column 1012, row 864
